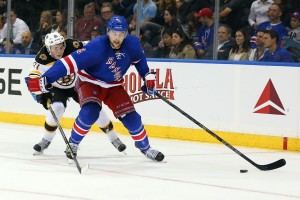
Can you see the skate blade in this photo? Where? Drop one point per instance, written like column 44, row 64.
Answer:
column 124, row 152
column 36, row 153
column 163, row 161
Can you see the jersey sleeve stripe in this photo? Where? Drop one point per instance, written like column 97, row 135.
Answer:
column 69, row 64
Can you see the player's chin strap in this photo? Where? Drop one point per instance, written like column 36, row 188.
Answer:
column 271, row 166
column 81, row 170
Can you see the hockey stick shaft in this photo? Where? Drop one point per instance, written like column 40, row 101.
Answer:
column 65, row 138
column 271, row 166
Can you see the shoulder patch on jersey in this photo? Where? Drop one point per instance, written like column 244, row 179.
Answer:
column 76, row 44
column 79, row 51
column 43, row 57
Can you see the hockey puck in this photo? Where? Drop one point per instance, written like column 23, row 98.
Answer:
column 243, row 171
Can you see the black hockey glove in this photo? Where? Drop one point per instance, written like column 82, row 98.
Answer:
column 43, row 99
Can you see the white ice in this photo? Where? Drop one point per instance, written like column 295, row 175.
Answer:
column 193, row 170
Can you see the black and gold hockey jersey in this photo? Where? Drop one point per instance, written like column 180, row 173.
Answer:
column 43, row 61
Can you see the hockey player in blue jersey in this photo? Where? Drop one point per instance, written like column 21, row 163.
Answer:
column 55, row 48
column 101, row 65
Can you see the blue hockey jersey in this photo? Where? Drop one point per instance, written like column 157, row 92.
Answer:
column 98, row 63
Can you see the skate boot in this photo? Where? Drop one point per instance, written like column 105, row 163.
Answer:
column 154, row 155
column 120, row 146
column 74, row 148
column 41, row 146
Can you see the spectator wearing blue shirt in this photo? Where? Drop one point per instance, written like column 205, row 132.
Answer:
column 274, row 53
column 206, row 31
column 274, row 24
column 148, row 12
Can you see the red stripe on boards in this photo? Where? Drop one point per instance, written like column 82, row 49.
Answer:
column 285, row 143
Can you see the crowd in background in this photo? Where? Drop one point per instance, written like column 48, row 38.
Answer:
column 249, row 30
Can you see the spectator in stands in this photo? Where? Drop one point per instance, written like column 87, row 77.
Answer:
column 241, row 48
column 273, row 24
column 162, row 6
column 11, row 47
column 148, row 49
column 153, row 30
column 193, row 27
column 225, row 44
column 294, row 31
column 86, row 24
column 106, row 13
column 181, row 47
column 258, row 52
column 164, row 46
column 274, row 53
column 148, row 13
column 27, row 46
column 45, row 27
column 18, row 26
column 231, row 13
column 259, row 12
column 206, row 31
column 292, row 43
column 60, row 21
column 186, row 7
column 287, row 7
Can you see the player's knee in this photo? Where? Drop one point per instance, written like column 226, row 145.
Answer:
column 107, row 128
column 90, row 111
column 131, row 119
column 50, row 128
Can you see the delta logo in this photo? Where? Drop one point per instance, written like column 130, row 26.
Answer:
column 164, row 85
column 269, row 101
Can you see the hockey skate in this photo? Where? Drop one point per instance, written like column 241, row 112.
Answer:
column 120, row 146
column 41, row 146
column 74, row 148
column 153, row 154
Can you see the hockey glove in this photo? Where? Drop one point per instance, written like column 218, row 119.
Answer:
column 38, row 85
column 44, row 98
column 150, row 79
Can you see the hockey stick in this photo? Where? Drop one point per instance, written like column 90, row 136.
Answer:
column 66, row 141
column 271, row 166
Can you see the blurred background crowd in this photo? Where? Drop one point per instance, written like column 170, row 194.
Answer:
column 248, row 30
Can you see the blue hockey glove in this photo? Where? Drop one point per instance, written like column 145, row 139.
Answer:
column 150, row 79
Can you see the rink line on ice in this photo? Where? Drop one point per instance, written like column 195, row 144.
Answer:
column 43, row 194
column 240, row 139
column 138, row 175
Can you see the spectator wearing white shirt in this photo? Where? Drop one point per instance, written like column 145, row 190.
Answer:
column 18, row 27
column 259, row 12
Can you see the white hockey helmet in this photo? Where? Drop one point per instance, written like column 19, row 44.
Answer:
column 53, row 39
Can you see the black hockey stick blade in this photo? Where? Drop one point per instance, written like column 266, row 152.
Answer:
column 271, row 166
column 65, row 138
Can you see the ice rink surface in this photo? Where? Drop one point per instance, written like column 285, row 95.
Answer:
column 193, row 170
